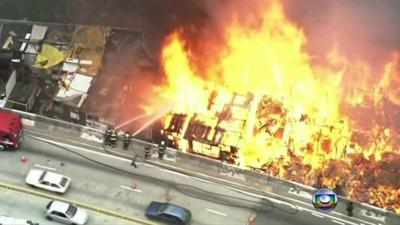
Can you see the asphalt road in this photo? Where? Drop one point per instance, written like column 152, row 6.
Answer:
column 25, row 206
column 108, row 187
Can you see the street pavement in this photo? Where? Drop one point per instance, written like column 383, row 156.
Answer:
column 25, row 206
column 107, row 188
column 107, row 181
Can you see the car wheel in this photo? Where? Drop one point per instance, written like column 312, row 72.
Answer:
column 2, row 148
column 49, row 218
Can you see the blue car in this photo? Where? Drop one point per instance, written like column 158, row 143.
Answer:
column 169, row 213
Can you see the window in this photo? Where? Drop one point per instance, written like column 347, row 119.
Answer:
column 48, row 205
column 54, row 185
column 71, row 211
column 170, row 218
column 45, row 183
column 59, row 214
column 167, row 216
column 162, row 208
column 42, row 176
column 63, row 182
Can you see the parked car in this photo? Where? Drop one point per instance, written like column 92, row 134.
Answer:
column 47, row 180
column 169, row 213
column 66, row 213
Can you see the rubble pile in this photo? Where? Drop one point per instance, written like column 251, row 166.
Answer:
column 258, row 99
column 358, row 165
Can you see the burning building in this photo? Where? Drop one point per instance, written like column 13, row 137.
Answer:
column 257, row 99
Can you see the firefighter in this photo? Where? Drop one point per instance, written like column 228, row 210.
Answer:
column 107, row 136
column 350, row 209
column 147, row 152
column 127, row 140
column 134, row 158
column 113, row 138
column 161, row 150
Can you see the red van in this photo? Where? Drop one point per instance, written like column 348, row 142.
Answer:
column 11, row 130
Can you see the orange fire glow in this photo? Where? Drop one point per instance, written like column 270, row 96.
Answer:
column 292, row 121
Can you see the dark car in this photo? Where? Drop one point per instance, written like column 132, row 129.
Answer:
column 168, row 212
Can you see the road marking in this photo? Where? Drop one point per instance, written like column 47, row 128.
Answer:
column 69, row 140
column 93, row 208
column 27, row 122
column 360, row 220
column 374, row 207
column 338, row 222
column 174, row 172
column 264, row 197
column 216, row 212
column 300, row 193
column 373, row 215
column 45, row 167
column 151, row 166
column 131, row 189
column 268, row 192
column 82, row 149
column 331, row 217
column 293, row 205
column 317, row 215
column 98, row 153
column 202, row 180
column 309, row 210
column 207, row 176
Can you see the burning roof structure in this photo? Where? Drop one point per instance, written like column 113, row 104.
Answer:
column 256, row 99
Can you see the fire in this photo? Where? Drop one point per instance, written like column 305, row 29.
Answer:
column 261, row 103
column 391, row 79
column 181, row 79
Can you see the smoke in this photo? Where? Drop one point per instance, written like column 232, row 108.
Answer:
column 364, row 29
column 361, row 29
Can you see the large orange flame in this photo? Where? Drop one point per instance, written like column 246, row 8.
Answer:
column 293, row 117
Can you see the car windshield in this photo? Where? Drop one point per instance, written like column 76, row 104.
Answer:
column 42, row 176
column 162, row 208
column 71, row 211
column 63, row 182
column 48, row 205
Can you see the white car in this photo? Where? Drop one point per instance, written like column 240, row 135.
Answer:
column 66, row 213
column 47, row 180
